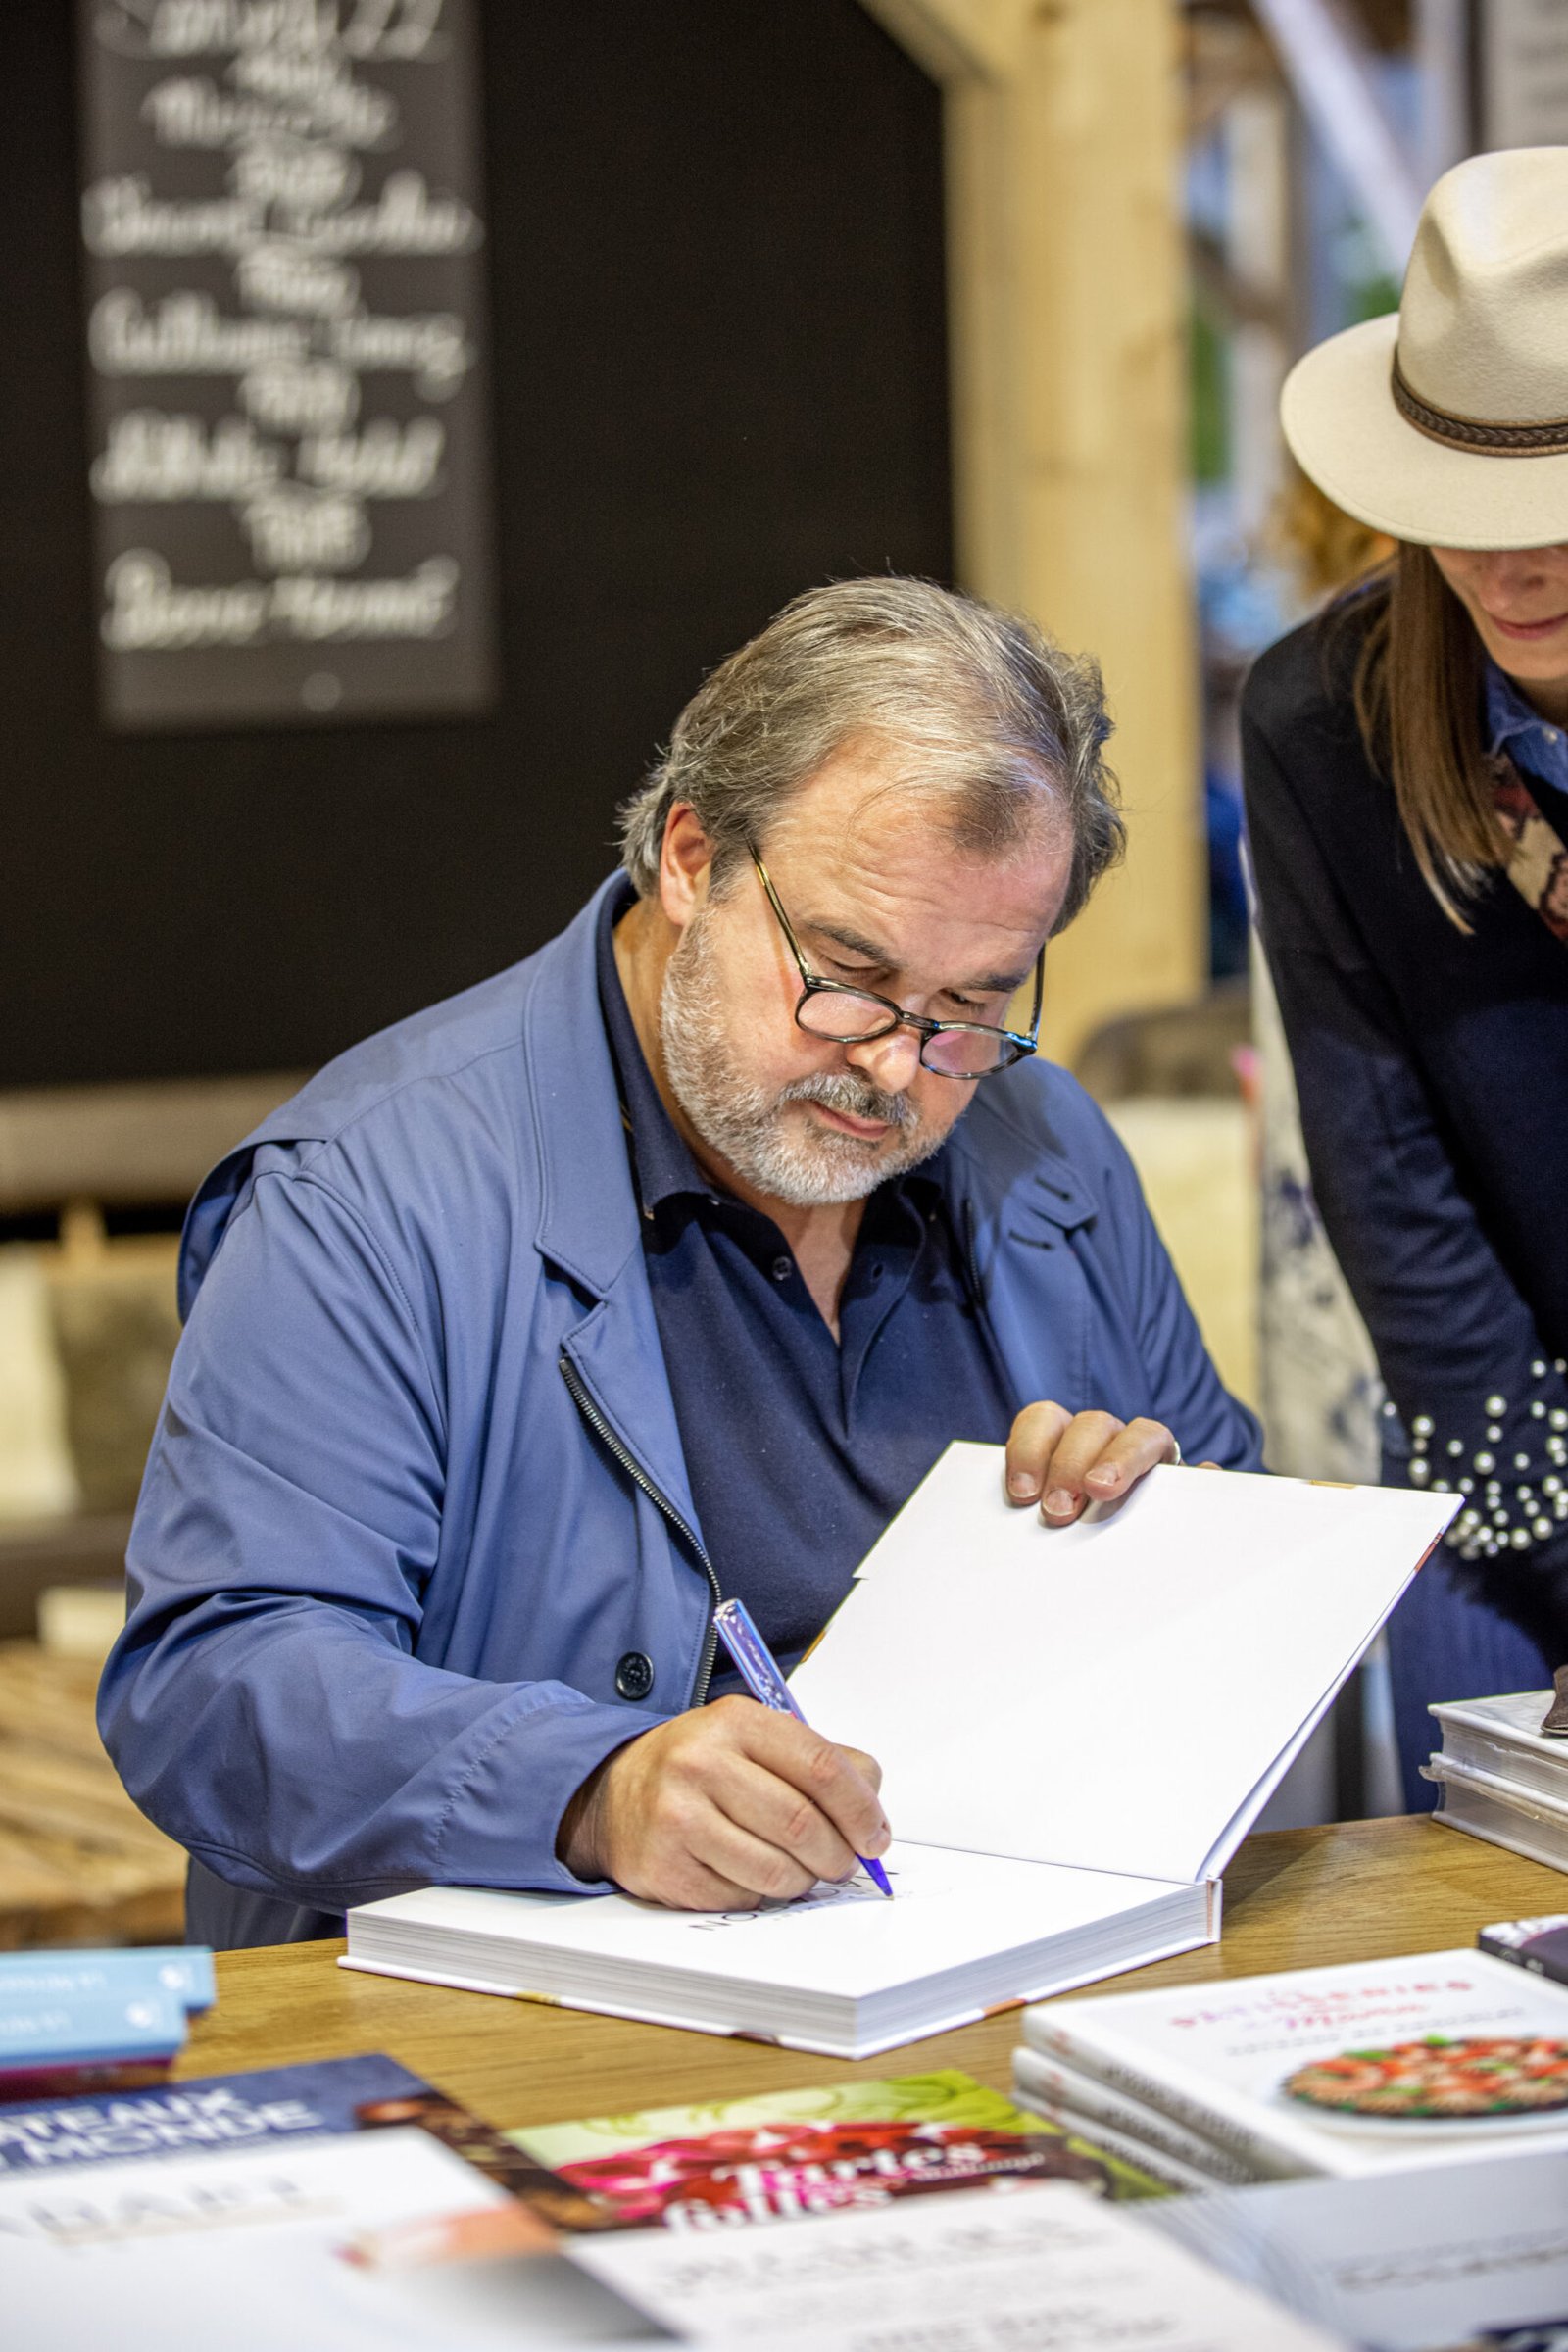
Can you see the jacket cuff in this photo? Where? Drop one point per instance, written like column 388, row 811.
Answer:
column 500, row 1825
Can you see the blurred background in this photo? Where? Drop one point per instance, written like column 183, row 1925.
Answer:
column 410, row 399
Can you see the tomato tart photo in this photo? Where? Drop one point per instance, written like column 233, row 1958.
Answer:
column 1438, row 2079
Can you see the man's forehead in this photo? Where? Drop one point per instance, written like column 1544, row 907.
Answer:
column 889, row 855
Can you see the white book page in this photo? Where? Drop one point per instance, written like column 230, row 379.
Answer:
column 1047, row 2265
column 1111, row 1694
column 948, row 1909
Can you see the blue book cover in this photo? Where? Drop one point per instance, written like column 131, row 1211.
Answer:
column 220, row 2110
column 39, row 2030
column 182, row 1969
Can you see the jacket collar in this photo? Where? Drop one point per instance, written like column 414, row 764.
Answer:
column 588, row 1222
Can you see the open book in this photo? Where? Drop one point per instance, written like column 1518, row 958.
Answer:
column 1076, row 1727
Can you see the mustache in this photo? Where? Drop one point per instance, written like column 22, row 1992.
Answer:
column 857, row 1097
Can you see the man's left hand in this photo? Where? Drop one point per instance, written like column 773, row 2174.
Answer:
column 1065, row 1461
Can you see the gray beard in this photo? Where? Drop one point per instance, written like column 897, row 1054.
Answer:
column 748, row 1126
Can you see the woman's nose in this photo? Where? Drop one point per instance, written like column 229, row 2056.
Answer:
column 1510, row 569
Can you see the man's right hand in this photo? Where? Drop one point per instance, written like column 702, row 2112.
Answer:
column 720, row 1808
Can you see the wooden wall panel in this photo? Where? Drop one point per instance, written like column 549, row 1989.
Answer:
column 1066, row 294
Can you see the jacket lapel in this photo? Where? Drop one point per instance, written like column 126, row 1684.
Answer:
column 1021, row 1206
column 588, row 1222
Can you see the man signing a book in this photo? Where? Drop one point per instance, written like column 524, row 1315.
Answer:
column 657, row 1270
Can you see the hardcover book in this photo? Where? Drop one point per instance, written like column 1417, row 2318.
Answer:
column 1047, row 2266
column 836, row 2148
column 1472, row 2255
column 45, row 2045
column 986, row 1662
column 185, row 1970
column 282, row 2107
column 96, row 2020
column 1503, row 1812
column 1349, row 2070
column 1538, row 1944
column 278, row 2245
column 1503, row 1735
column 1076, row 2101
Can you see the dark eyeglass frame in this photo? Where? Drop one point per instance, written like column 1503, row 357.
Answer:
column 812, row 984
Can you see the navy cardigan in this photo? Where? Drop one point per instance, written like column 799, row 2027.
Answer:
column 1433, row 1074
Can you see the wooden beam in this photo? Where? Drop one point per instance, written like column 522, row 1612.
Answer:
column 955, row 39
column 1068, row 302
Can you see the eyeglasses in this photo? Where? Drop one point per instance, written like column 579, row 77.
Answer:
column 854, row 1016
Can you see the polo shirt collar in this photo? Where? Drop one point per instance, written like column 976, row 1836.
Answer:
column 1514, row 725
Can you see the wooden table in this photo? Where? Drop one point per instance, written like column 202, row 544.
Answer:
column 1361, row 1890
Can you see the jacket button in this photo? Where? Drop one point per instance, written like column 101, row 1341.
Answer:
column 634, row 1676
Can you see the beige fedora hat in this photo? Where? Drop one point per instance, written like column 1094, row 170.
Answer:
column 1448, row 424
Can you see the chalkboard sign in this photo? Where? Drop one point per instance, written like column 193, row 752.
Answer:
column 1524, row 73
column 285, row 326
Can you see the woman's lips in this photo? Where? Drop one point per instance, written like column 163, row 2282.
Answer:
column 1525, row 632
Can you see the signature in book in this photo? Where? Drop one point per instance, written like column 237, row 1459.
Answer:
column 823, row 1896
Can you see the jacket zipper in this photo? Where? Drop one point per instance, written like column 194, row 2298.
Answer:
column 639, row 1476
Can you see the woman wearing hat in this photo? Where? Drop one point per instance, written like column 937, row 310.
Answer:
column 1406, row 777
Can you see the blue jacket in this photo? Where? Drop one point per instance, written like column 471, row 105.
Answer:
column 418, row 1488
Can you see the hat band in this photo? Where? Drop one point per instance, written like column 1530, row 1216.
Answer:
column 1482, row 440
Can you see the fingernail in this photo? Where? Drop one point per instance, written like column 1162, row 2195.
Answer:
column 1107, row 1475
column 1059, row 1502
column 1020, row 1483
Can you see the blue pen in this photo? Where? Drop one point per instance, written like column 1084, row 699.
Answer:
column 757, row 1669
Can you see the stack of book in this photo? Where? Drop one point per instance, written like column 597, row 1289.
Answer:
column 96, row 2020
column 348, row 2206
column 1334, row 2072
column 1500, row 1778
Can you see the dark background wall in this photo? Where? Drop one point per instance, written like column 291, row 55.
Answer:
column 719, row 375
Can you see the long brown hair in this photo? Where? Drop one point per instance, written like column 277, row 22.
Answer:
column 1418, row 704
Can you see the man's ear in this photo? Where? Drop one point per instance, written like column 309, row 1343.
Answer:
column 685, row 860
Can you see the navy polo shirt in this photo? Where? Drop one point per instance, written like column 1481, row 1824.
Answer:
column 800, row 1447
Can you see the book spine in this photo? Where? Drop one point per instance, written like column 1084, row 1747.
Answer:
column 1521, row 1956
column 1254, row 2145
column 1059, row 2092
column 145, row 1971
column 1100, row 2139
column 29, row 2083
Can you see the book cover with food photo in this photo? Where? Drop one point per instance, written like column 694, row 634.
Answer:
column 840, row 2145
column 1426, row 2059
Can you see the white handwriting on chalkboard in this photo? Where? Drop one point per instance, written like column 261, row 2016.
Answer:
column 193, row 112
column 151, row 456
column 120, row 216
column 148, row 610
column 287, row 335
column 364, row 28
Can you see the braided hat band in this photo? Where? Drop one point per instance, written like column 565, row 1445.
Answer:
column 1549, row 440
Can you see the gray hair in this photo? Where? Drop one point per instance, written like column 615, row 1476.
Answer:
column 1000, row 725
